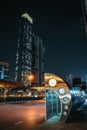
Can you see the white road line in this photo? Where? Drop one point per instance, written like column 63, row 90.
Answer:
column 18, row 122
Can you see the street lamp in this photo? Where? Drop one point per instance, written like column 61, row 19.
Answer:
column 30, row 78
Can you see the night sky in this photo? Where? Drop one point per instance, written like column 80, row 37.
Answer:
column 58, row 23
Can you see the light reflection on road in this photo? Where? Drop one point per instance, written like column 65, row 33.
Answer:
column 17, row 114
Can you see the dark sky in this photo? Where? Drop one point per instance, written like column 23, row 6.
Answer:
column 57, row 23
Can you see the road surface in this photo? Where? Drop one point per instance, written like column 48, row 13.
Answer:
column 15, row 115
column 31, row 116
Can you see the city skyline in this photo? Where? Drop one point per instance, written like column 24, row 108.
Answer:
column 59, row 26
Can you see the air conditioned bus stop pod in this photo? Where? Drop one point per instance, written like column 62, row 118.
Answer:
column 60, row 98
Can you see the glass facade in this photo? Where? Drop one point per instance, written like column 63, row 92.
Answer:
column 84, row 13
column 38, row 60
column 24, row 49
column 30, row 53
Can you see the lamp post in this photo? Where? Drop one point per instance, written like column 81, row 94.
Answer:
column 30, row 78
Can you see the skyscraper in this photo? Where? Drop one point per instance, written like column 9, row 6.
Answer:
column 84, row 14
column 24, row 48
column 38, row 60
column 29, row 53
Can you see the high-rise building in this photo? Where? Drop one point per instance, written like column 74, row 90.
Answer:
column 4, row 71
column 30, row 53
column 24, row 48
column 38, row 61
column 84, row 14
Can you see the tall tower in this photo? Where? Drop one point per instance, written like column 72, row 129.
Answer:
column 84, row 14
column 30, row 54
column 38, row 62
column 24, row 48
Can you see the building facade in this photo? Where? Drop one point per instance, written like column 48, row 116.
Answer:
column 84, row 14
column 38, row 62
column 29, row 53
column 24, row 48
column 4, row 71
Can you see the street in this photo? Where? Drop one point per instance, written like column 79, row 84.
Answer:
column 31, row 116
column 15, row 115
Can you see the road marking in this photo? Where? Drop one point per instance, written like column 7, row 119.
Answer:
column 18, row 122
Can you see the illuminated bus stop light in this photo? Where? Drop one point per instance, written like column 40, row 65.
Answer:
column 52, row 82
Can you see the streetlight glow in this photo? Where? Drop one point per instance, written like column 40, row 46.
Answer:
column 30, row 77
